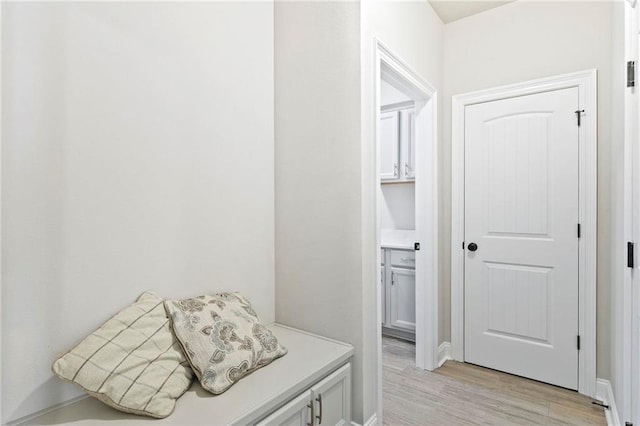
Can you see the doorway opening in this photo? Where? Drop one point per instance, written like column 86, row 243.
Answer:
column 406, row 210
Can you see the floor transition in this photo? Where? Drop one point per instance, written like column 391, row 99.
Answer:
column 464, row 394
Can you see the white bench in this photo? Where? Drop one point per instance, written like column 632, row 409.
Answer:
column 311, row 382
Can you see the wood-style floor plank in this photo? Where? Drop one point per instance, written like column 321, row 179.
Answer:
column 464, row 394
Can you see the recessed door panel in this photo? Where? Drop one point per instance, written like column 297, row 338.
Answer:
column 517, row 173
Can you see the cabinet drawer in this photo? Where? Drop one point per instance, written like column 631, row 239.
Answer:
column 403, row 258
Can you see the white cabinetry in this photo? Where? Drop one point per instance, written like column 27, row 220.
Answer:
column 295, row 413
column 326, row 403
column 408, row 160
column 309, row 386
column 402, row 299
column 397, row 144
column 398, row 293
column 389, row 146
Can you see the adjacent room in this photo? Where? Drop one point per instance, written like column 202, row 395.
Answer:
column 361, row 212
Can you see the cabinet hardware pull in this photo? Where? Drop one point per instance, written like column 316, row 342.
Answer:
column 319, row 399
column 312, row 406
column 406, row 169
column 395, row 169
column 407, row 259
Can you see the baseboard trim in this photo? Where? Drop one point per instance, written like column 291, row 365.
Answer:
column 373, row 420
column 444, row 353
column 44, row 411
column 604, row 392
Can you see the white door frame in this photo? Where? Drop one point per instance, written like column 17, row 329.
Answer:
column 393, row 68
column 585, row 81
column 628, row 306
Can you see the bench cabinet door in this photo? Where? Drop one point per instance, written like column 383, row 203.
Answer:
column 295, row 413
column 332, row 399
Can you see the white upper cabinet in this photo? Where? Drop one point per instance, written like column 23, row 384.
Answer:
column 408, row 142
column 397, row 145
column 389, row 146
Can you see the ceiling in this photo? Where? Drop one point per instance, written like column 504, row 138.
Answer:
column 451, row 10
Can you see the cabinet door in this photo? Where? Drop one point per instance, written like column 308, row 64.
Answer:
column 403, row 299
column 332, row 398
column 295, row 413
column 389, row 146
column 408, row 145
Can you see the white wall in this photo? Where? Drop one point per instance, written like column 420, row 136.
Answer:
column 137, row 154
column 390, row 95
column 526, row 40
column 398, row 206
column 318, row 231
column 414, row 33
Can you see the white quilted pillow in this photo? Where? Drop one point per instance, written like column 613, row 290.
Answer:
column 132, row 362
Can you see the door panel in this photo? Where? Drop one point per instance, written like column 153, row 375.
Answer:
column 332, row 398
column 403, row 298
column 389, row 145
column 407, row 135
column 521, row 209
column 295, row 413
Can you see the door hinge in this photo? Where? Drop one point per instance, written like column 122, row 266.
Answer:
column 631, row 74
column 416, row 246
column 628, row 424
column 630, row 254
column 579, row 231
column 578, row 114
column 578, row 341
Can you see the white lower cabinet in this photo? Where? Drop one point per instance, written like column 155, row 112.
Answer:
column 398, row 293
column 403, row 299
column 328, row 402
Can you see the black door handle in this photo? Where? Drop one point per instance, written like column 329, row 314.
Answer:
column 472, row 247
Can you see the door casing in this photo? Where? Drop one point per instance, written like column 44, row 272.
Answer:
column 393, row 68
column 586, row 82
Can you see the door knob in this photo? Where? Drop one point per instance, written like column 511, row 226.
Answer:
column 472, row 247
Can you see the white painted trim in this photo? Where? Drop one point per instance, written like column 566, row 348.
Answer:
column 629, row 311
column 1, row 292
column 625, row 376
column 373, row 420
column 586, row 83
column 444, row 353
column 604, row 393
column 395, row 69
column 44, row 411
column 426, row 294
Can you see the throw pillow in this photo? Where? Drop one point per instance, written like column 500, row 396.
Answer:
column 222, row 337
column 132, row 362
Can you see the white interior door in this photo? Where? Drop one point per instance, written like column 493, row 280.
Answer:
column 521, row 211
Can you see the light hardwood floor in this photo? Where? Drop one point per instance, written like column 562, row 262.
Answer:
column 465, row 394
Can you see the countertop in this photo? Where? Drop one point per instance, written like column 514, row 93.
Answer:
column 397, row 238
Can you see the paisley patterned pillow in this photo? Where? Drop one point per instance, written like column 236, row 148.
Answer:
column 222, row 338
